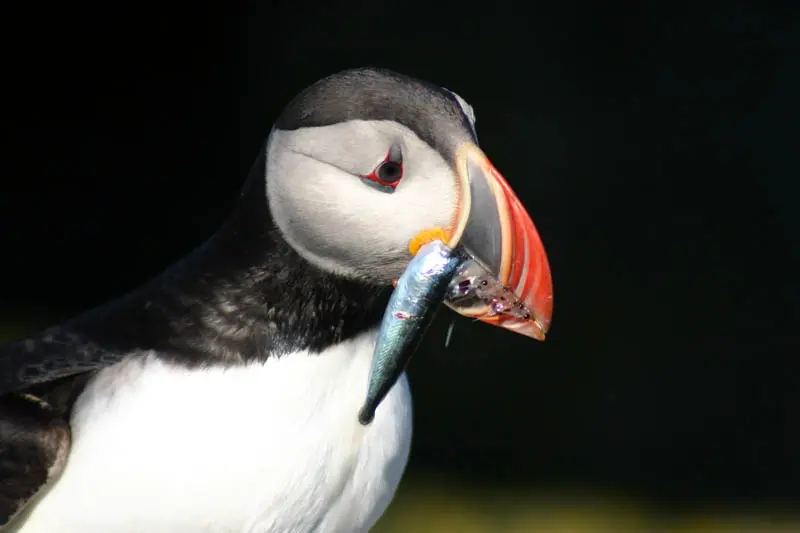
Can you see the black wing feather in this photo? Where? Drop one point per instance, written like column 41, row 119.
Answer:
column 34, row 442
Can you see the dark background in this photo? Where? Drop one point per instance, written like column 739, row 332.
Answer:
column 655, row 146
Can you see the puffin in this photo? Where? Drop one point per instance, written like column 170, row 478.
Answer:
column 223, row 395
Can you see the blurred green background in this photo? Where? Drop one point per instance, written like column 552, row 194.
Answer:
column 427, row 506
column 654, row 145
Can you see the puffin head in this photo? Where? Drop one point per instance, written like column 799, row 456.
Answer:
column 366, row 166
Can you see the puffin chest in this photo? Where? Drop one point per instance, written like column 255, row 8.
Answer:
column 264, row 448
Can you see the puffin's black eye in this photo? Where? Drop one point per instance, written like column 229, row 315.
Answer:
column 389, row 172
column 387, row 175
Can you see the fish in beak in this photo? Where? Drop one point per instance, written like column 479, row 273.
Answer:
column 490, row 264
column 412, row 306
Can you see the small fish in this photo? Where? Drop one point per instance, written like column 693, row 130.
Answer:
column 412, row 306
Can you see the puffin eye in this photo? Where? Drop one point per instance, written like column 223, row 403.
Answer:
column 388, row 173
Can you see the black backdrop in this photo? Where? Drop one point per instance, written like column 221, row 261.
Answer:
column 654, row 145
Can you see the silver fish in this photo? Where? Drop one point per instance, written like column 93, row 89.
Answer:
column 412, row 306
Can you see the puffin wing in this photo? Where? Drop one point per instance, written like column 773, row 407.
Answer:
column 40, row 378
column 53, row 354
column 34, row 443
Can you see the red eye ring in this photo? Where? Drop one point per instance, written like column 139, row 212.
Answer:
column 388, row 173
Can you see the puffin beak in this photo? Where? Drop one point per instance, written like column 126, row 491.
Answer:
column 492, row 225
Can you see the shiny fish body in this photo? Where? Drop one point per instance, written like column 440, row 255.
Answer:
column 412, row 306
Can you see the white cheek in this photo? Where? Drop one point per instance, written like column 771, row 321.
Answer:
column 304, row 209
column 338, row 222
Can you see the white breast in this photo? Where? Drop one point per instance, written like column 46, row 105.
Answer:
column 268, row 448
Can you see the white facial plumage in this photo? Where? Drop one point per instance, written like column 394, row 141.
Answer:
column 336, row 218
